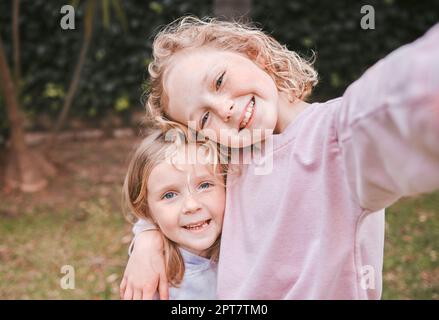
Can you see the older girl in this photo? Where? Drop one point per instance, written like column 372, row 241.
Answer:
column 313, row 226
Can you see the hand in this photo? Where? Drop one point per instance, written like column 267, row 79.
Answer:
column 145, row 271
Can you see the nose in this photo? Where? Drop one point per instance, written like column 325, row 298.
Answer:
column 225, row 109
column 191, row 205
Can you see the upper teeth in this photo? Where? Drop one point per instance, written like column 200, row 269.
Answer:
column 197, row 225
column 248, row 113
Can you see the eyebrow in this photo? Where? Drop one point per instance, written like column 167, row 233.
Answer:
column 172, row 186
column 204, row 176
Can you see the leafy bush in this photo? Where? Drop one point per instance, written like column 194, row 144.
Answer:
column 332, row 29
column 116, row 64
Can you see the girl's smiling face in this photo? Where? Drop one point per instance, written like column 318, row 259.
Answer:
column 186, row 200
column 222, row 94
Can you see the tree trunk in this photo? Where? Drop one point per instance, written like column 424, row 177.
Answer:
column 233, row 9
column 88, row 31
column 16, row 44
column 24, row 169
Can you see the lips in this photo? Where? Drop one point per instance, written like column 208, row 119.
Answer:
column 197, row 225
column 247, row 115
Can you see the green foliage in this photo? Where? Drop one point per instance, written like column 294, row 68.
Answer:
column 122, row 103
column 332, row 29
column 115, row 65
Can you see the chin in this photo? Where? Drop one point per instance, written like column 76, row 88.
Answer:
column 200, row 247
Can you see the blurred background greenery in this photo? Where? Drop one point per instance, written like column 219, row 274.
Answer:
column 115, row 67
column 77, row 219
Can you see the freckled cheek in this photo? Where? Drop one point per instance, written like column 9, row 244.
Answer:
column 241, row 79
column 242, row 85
column 167, row 217
column 257, row 82
column 170, row 228
column 217, row 206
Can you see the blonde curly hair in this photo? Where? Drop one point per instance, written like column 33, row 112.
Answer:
column 291, row 73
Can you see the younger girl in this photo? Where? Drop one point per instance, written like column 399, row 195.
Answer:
column 180, row 188
column 313, row 226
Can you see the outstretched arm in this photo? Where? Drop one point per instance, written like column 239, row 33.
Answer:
column 388, row 125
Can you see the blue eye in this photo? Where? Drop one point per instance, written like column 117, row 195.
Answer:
column 204, row 119
column 205, row 185
column 169, row 195
column 220, row 81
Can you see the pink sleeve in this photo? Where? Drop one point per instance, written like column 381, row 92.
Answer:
column 388, row 125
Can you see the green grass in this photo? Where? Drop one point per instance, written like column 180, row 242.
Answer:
column 76, row 221
column 35, row 246
column 411, row 264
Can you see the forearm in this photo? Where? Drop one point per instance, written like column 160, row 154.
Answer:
column 145, row 272
column 140, row 227
column 388, row 126
column 149, row 240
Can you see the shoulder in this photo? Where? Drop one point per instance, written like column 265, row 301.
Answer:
column 197, row 283
column 319, row 119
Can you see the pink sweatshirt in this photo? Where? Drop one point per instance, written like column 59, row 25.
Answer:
column 313, row 227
